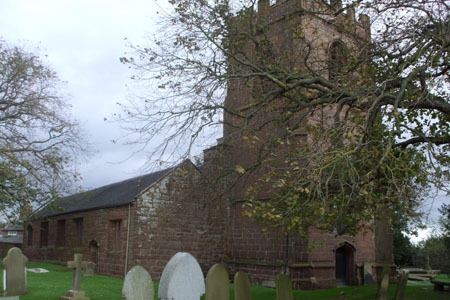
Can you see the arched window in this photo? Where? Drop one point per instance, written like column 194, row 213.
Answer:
column 337, row 59
column 336, row 4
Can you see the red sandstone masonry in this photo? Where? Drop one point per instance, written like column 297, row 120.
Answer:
column 173, row 216
column 170, row 217
column 96, row 226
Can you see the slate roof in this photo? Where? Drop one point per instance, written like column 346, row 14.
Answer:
column 11, row 239
column 112, row 195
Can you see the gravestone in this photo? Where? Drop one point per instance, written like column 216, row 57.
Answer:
column 401, row 286
column 217, row 283
column 341, row 296
column 76, row 293
column 284, row 287
column 37, row 270
column 355, row 292
column 242, row 286
column 383, row 288
column 88, row 269
column 14, row 267
column 138, row 285
column 182, row 279
column 427, row 263
column 368, row 275
column 314, row 283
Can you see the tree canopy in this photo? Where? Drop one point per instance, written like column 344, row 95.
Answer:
column 39, row 140
column 358, row 125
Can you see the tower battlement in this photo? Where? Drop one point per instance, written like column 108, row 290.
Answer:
column 332, row 11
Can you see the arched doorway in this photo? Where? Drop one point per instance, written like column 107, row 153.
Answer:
column 93, row 253
column 345, row 264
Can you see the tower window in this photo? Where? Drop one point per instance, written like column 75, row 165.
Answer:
column 337, row 4
column 337, row 60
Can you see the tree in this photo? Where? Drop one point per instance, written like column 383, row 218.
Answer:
column 444, row 222
column 434, row 250
column 38, row 138
column 340, row 132
column 404, row 250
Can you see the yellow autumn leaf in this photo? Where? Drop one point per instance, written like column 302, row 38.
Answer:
column 239, row 169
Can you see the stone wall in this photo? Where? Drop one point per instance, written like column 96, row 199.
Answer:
column 310, row 261
column 172, row 215
column 175, row 215
column 96, row 229
column 263, row 255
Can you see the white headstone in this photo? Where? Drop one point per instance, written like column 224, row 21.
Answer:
column 182, row 279
column 138, row 285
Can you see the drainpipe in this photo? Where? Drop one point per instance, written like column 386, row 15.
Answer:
column 286, row 258
column 128, row 239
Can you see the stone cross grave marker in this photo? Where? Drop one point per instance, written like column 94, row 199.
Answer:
column 76, row 293
column 182, row 279
column 383, row 288
column 217, row 283
column 242, row 286
column 284, row 287
column 401, row 285
column 14, row 267
column 138, row 285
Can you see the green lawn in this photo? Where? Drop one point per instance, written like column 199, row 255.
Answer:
column 54, row 284
column 443, row 277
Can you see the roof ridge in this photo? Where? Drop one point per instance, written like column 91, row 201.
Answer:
column 119, row 182
column 111, row 195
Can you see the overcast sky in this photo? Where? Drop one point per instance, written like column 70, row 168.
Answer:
column 84, row 40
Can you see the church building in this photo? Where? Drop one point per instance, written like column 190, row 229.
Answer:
column 146, row 220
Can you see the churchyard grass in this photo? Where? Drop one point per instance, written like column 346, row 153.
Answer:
column 53, row 285
column 443, row 277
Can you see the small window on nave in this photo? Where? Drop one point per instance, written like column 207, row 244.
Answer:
column 29, row 235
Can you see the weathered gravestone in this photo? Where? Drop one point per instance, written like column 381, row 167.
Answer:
column 242, row 286
column 368, row 275
column 383, row 288
column 401, row 285
column 38, row 270
column 341, row 296
column 88, row 269
column 217, row 283
column 182, row 279
column 76, row 293
column 14, row 283
column 427, row 263
column 284, row 287
column 314, row 283
column 138, row 285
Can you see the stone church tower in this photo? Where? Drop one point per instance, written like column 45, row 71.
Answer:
column 291, row 34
